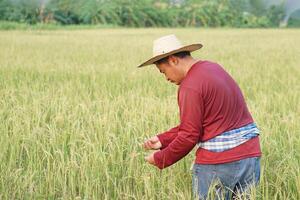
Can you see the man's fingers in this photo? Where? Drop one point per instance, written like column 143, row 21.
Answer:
column 147, row 144
column 152, row 143
column 150, row 158
column 154, row 139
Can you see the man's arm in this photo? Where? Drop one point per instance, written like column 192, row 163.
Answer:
column 167, row 137
column 189, row 130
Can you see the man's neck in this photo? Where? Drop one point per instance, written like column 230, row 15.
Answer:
column 188, row 63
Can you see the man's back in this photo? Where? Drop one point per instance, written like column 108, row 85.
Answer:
column 224, row 105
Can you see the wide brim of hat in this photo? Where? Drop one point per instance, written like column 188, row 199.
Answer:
column 190, row 48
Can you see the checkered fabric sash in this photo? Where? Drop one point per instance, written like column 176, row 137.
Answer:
column 230, row 139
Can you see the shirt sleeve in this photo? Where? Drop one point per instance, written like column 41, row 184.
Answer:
column 189, row 130
column 167, row 137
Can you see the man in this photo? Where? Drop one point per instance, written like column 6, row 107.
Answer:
column 213, row 116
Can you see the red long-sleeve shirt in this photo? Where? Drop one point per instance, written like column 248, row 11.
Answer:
column 210, row 103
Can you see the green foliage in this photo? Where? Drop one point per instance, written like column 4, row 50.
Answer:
column 146, row 13
column 257, row 7
column 294, row 22
column 295, row 19
column 275, row 14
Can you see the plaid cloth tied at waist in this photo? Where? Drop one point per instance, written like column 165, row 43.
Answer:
column 230, row 139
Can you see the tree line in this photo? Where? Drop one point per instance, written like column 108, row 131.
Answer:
column 144, row 13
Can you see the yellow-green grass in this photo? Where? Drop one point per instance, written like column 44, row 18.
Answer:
column 74, row 110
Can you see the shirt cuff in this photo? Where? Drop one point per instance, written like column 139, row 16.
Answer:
column 162, row 140
column 158, row 159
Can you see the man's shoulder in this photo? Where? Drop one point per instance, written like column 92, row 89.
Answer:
column 204, row 74
column 200, row 70
column 207, row 71
column 206, row 65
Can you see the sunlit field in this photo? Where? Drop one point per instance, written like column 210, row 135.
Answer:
column 74, row 110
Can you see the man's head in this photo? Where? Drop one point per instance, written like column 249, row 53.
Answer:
column 172, row 58
column 174, row 66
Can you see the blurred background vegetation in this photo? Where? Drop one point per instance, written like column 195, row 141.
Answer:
column 152, row 13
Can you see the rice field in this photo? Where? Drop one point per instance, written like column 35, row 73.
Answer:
column 74, row 110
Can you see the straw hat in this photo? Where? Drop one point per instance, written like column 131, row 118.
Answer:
column 168, row 45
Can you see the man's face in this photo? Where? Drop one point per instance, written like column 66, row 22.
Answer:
column 171, row 70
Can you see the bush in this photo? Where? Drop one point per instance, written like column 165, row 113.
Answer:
column 146, row 13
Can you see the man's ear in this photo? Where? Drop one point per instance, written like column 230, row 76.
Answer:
column 173, row 60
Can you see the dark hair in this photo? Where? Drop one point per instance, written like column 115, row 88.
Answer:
column 182, row 54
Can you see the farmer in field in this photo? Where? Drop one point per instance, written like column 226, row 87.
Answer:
column 213, row 116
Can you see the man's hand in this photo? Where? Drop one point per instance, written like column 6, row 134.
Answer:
column 152, row 143
column 150, row 158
